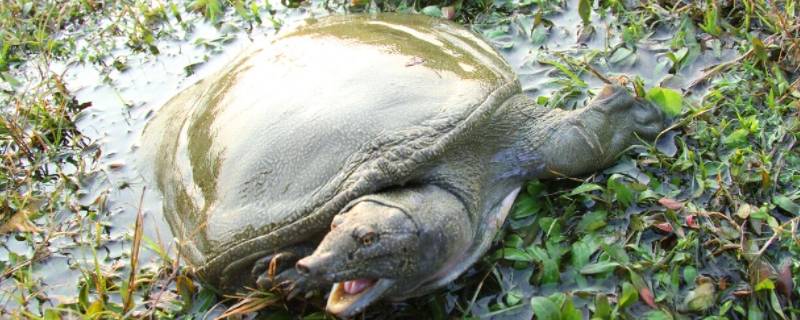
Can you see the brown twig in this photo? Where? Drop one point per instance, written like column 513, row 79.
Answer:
column 775, row 233
column 478, row 289
column 708, row 214
column 719, row 68
column 596, row 73
column 794, row 85
column 137, row 242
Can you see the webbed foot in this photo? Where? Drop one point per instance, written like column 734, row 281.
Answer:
column 277, row 273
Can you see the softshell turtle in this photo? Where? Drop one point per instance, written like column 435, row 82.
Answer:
column 378, row 154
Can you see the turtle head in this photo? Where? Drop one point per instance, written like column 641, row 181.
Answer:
column 589, row 139
column 617, row 119
column 629, row 115
column 371, row 252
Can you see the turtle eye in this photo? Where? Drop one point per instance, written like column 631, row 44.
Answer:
column 367, row 239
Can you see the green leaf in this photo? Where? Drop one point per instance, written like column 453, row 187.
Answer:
column 205, row 299
column 525, row 206
column 550, row 272
column 689, row 274
column 550, row 262
column 629, row 295
column 315, row 316
column 558, row 298
column 513, row 298
column 535, row 188
column 582, row 250
column 737, row 138
column 211, row 9
column 495, row 32
column 576, row 80
column 622, row 54
column 513, row 241
column 551, row 226
column 592, row 221
column 710, row 20
column 599, row 267
column 432, row 11
column 602, row 309
column 621, row 190
column 95, row 308
column 669, row 100
column 514, row 254
column 584, row 188
column 681, row 54
column 51, row 314
column 636, row 279
column 186, row 288
column 544, row 309
column 617, row 252
column 754, row 312
column 13, row 82
column 786, row 204
column 759, row 49
column 765, row 284
column 657, row 315
column 585, row 10
column 569, row 312
column 83, row 295
column 760, row 214
column 776, row 305
column 539, row 35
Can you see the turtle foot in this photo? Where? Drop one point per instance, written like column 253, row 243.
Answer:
column 276, row 273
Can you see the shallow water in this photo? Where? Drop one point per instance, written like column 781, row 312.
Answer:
column 122, row 106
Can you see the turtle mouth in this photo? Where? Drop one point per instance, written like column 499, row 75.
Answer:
column 350, row 297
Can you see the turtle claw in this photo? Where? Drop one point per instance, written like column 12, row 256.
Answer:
column 289, row 283
column 266, row 269
column 276, row 273
column 274, row 264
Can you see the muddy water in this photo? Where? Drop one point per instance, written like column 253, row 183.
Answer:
column 122, row 104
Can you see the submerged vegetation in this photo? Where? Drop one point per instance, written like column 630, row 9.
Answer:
column 703, row 224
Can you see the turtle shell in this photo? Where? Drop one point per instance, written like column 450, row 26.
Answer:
column 265, row 152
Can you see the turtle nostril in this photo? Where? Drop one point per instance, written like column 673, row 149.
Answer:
column 315, row 264
column 302, row 267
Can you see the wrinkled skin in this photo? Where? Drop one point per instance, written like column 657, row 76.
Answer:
column 390, row 242
column 378, row 250
column 384, row 175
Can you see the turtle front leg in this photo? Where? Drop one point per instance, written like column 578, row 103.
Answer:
column 276, row 272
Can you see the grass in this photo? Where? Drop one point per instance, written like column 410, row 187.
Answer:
column 709, row 232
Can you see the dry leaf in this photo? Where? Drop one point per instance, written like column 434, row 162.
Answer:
column 702, row 297
column 647, row 296
column 19, row 223
column 664, row 226
column 784, row 281
column 691, row 221
column 671, row 204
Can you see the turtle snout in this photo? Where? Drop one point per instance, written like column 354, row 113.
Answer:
column 649, row 119
column 314, row 265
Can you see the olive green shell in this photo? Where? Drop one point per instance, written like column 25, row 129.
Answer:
column 262, row 154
